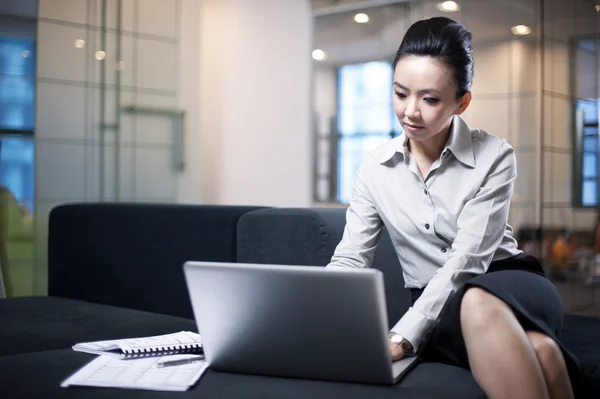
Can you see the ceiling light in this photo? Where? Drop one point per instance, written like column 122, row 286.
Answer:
column 520, row 30
column 597, row 7
column 361, row 18
column 100, row 55
column 448, row 6
column 79, row 43
column 318, row 55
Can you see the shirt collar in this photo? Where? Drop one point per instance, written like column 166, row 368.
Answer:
column 396, row 145
column 459, row 143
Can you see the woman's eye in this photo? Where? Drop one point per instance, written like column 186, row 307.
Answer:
column 431, row 100
column 400, row 95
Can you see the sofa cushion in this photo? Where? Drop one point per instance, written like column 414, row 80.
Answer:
column 132, row 255
column 44, row 323
column 298, row 236
column 50, row 368
column 580, row 335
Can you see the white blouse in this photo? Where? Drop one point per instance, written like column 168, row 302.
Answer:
column 445, row 228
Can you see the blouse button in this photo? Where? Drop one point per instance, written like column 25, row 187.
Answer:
column 427, row 226
column 425, row 191
column 444, row 250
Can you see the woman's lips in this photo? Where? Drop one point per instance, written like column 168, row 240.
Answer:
column 413, row 128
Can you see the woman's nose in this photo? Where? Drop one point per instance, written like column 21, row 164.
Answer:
column 411, row 109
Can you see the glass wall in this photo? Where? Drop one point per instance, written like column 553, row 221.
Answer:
column 535, row 84
column 570, row 120
column 506, row 89
column 570, row 150
column 107, row 121
column 106, row 126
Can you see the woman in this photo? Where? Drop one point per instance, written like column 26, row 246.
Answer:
column 443, row 191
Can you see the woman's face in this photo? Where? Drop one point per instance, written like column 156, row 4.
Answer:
column 425, row 96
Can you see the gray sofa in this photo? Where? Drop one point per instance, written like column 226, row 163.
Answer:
column 115, row 271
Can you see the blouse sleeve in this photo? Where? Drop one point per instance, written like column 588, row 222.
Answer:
column 362, row 231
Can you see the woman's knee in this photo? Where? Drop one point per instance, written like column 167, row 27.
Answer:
column 546, row 349
column 480, row 309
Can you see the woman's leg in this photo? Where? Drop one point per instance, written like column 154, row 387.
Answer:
column 502, row 359
column 553, row 365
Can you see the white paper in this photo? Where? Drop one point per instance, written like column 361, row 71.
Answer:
column 106, row 371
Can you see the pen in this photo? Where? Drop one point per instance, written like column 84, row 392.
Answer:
column 168, row 363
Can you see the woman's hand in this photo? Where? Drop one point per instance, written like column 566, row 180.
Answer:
column 396, row 350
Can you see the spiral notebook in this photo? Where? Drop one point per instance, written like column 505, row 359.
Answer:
column 133, row 348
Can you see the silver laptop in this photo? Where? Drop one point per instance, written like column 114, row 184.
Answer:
column 294, row 321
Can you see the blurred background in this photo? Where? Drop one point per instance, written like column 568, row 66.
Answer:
column 274, row 102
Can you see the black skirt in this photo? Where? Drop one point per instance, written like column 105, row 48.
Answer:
column 519, row 282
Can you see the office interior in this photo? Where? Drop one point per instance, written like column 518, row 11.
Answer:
column 273, row 103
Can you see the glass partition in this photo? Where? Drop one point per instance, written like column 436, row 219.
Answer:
column 106, row 125
column 536, row 85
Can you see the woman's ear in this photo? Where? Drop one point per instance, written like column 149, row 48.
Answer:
column 464, row 103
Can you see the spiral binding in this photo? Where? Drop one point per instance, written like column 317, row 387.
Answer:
column 163, row 351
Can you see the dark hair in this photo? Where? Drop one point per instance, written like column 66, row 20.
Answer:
column 445, row 40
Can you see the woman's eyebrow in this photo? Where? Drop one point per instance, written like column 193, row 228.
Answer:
column 420, row 91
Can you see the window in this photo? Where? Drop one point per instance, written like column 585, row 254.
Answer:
column 17, row 90
column 584, row 107
column 588, row 158
column 365, row 118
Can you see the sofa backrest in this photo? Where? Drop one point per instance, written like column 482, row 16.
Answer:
column 132, row 255
column 309, row 236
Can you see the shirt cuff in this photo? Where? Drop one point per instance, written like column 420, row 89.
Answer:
column 415, row 327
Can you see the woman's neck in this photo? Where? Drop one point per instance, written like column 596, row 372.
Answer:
column 432, row 148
